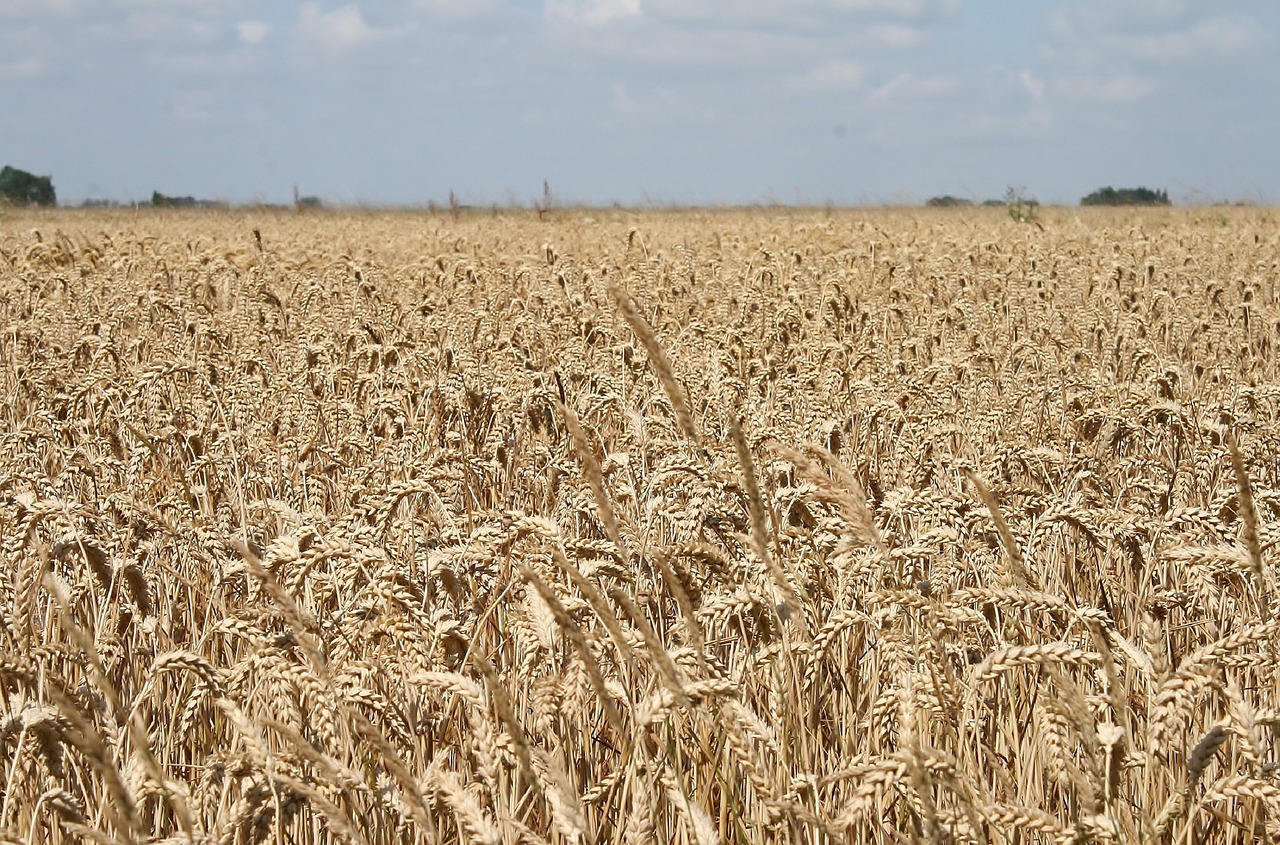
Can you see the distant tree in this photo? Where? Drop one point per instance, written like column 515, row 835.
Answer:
column 303, row 203
column 948, row 201
column 160, row 200
column 1126, row 196
column 18, row 187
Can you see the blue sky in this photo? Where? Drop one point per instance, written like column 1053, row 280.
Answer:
column 642, row 101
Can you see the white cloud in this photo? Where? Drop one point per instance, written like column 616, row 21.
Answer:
column 161, row 27
column 656, row 106
column 193, row 107
column 623, row 102
column 660, row 36
column 912, row 9
column 1221, row 37
column 42, row 10
column 1033, row 84
column 887, row 25
column 252, row 32
column 342, row 29
column 1122, row 88
column 204, row 65
column 908, row 86
column 1102, row 17
column 1090, row 34
column 894, row 36
column 459, row 10
column 794, row 13
column 592, row 12
column 834, row 76
column 1034, row 122
column 12, row 70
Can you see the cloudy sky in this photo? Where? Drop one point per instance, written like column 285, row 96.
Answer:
column 642, row 101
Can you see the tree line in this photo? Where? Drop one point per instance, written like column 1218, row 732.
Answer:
column 1126, row 196
column 1102, row 196
column 18, row 187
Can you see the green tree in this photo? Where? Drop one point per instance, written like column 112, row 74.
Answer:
column 18, row 187
column 1126, row 196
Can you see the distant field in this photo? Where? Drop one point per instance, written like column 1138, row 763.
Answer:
column 740, row 526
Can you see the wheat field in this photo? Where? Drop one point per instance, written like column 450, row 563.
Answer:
column 877, row 526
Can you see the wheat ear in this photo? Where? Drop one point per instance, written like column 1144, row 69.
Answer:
column 789, row 605
column 1017, row 564
column 580, row 644
column 1249, row 516
column 661, row 364
column 595, row 478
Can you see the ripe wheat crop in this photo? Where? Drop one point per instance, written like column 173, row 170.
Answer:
column 736, row 526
